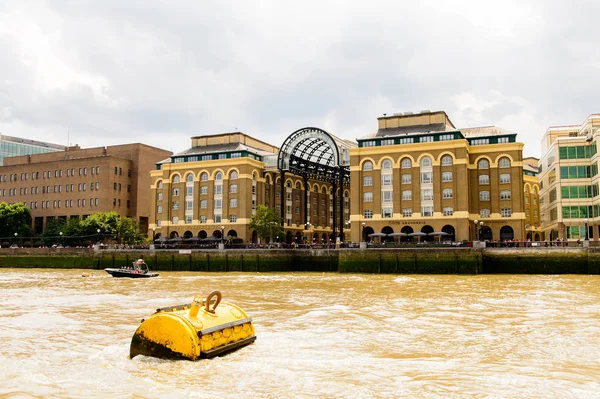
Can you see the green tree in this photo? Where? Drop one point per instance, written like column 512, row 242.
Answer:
column 128, row 232
column 106, row 222
column 15, row 218
column 266, row 223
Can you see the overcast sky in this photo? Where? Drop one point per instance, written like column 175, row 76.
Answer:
column 158, row 72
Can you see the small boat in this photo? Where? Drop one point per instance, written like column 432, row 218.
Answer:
column 138, row 269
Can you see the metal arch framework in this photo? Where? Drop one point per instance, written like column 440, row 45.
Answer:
column 315, row 154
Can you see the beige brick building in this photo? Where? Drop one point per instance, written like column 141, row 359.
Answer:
column 420, row 174
column 78, row 182
column 531, row 199
column 218, row 183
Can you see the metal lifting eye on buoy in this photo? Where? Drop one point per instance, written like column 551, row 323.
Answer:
column 218, row 301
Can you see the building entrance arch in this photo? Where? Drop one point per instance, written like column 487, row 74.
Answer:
column 315, row 154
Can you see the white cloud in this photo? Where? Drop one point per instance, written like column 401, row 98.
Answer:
column 159, row 72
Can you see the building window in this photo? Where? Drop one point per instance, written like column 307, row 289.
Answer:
column 505, row 194
column 446, row 177
column 387, row 142
column 217, row 218
column 427, row 211
column 447, row 193
column 233, row 203
column 426, row 139
column 189, row 191
column 480, row 141
column 370, row 143
column 502, row 140
column 483, row 164
column 176, row 179
column 387, row 164
column 368, row 196
column 175, row 219
column 175, row 205
column 188, row 219
column 425, row 162
column 203, row 204
column 367, row 166
column 233, row 175
column 505, row 212
column 445, row 137
column 446, row 160
column 386, row 213
column 159, row 186
column 406, row 163
column 484, row 179
column 484, row 213
column 406, row 212
column 189, row 178
column 218, row 204
column 159, row 209
column 218, row 189
column 406, row 195
column 387, row 196
column 204, row 176
column 386, row 180
column 406, row 140
column 504, row 163
column 406, row 178
column 448, row 211
column 367, row 181
column 368, row 214
column 202, row 219
column 233, row 218
column 175, row 192
column 504, row 178
column 426, row 177
column 189, row 205
column 233, row 188
column 484, row 195
column 427, row 194
column 203, row 190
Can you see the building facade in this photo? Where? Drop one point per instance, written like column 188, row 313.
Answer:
column 419, row 174
column 78, row 182
column 16, row 146
column 214, row 187
column 531, row 199
column 570, row 202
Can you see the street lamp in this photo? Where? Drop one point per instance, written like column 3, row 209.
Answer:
column 363, row 230
column 153, row 234
column 585, row 221
column 16, row 234
column 480, row 228
column 222, row 230
column 98, row 231
column 476, row 228
column 60, row 234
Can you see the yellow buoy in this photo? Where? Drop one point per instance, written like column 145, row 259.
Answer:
column 193, row 331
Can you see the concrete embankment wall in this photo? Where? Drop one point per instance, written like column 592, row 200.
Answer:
column 400, row 261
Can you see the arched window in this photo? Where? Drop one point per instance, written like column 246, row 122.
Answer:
column 159, row 186
column 189, row 178
column 446, row 160
column 233, row 175
column 425, row 161
column 176, row 179
column 219, row 176
column 298, row 185
column 387, row 164
column 483, row 164
column 204, row 176
column 447, row 193
column 368, row 166
column 504, row 163
column 406, row 163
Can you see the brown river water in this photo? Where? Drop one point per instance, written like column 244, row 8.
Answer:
column 319, row 336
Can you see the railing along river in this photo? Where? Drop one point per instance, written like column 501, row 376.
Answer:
column 319, row 335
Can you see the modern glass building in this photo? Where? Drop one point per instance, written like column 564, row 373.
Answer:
column 15, row 146
column 569, row 179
